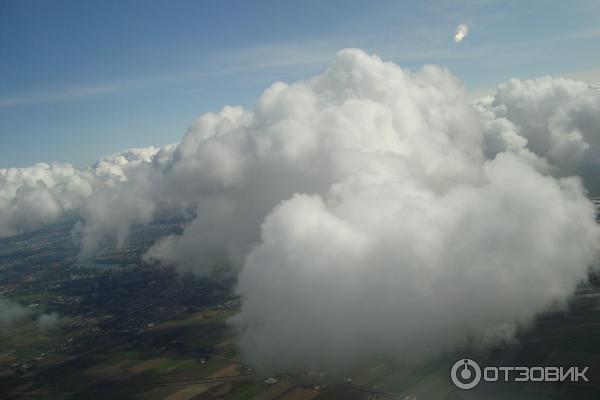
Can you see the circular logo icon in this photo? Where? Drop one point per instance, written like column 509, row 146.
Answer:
column 465, row 374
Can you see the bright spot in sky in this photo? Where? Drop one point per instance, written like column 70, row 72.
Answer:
column 461, row 32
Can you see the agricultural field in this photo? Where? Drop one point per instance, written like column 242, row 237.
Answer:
column 125, row 331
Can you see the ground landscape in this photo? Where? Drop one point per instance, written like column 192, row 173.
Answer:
column 128, row 330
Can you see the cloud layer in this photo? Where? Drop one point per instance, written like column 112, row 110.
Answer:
column 41, row 194
column 368, row 211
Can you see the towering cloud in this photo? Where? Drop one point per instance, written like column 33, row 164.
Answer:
column 372, row 211
column 385, row 267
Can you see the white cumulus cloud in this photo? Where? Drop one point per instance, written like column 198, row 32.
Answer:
column 41, row 194
column 368, row 211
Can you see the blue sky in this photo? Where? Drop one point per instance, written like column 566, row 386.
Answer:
column 80, row 79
